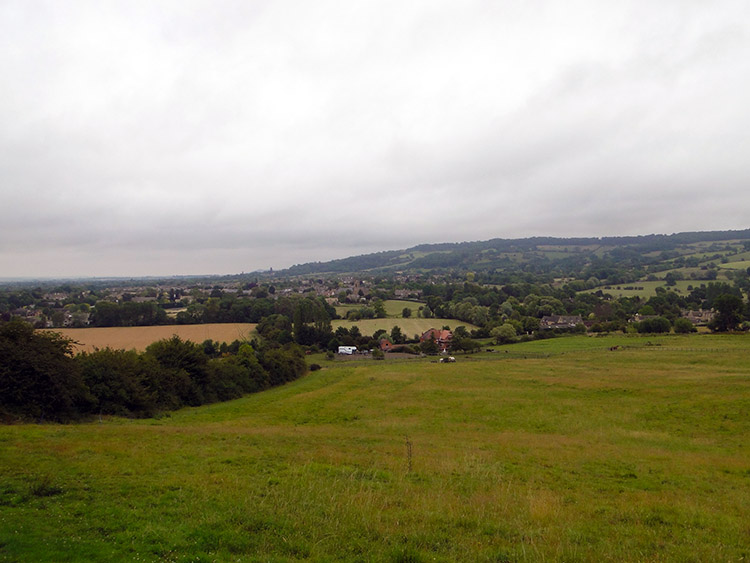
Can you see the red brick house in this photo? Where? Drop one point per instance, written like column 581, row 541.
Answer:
column 385, row 345
column 441, row 337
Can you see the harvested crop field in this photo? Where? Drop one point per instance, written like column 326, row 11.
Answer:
column 139, row 337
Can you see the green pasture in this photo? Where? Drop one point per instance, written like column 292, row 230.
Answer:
column 739, row 265
column 645, row 289
column 742, row 256
column 556, row 450
column 393, row 307
column 341, row 310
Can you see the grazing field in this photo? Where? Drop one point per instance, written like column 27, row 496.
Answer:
column 393, row 307
column 139, row 337
column 559, row 450
column 739, row 265
column 646, row 289
column 409, row 327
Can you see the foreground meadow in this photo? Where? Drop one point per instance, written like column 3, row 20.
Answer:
column 559, row 450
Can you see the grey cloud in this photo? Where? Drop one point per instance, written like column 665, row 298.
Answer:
column 174, row 137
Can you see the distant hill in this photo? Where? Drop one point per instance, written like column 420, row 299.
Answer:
column 537, row 253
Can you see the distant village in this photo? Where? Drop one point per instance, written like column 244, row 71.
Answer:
column 71, row 306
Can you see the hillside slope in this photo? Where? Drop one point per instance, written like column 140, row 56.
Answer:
column 539, row 253
column 557, row 450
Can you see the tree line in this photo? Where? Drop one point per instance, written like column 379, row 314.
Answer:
column 42, row 380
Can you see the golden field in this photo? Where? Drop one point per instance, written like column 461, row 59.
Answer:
column 139, row 337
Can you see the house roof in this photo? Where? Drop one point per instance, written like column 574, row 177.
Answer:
column 438, row 335
column 560, row 321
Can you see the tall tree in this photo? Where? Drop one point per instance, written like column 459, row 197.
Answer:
column 729, row 313
column 38, row 376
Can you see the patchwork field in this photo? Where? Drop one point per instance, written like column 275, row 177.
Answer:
column 139, row 337
column 559, row 450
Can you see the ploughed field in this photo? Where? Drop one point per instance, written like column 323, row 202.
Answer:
column 558, row 450
column 139, row 337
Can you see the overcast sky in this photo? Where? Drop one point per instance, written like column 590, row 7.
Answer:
column 155, row 138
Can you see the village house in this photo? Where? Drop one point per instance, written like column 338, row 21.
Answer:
column 140, row 299
column 637, row 318
column 560, row 321
column 407, row 293
column 441, row 337
column 701, row 317
column 385, row 345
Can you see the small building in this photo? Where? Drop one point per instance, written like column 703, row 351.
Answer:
column 385, row 345
column 560, row 321
column 347, row 350
column 701, row 317
column 638, row 318
column 441, row 337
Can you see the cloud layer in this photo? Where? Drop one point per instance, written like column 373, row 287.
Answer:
column 201, row 137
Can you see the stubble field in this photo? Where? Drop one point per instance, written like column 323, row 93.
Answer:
column 559, row 450
column 139, row 337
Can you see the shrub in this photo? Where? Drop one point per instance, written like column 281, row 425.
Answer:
column 655, row 325
column 684, row 326
column 38, row 376
column 404, row 349
column 119, row 382
column 504, row 334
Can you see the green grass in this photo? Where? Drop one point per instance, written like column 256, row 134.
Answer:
column 342, row 310
column 559, row 450
column 739, row 265
column 646, row 289
column 395, row 307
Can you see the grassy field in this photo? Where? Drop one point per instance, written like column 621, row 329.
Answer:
column 646, row 289
column 393, row 307
column 138, row 337
column 409, row 327
column 558, row 450
column 739, row 265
